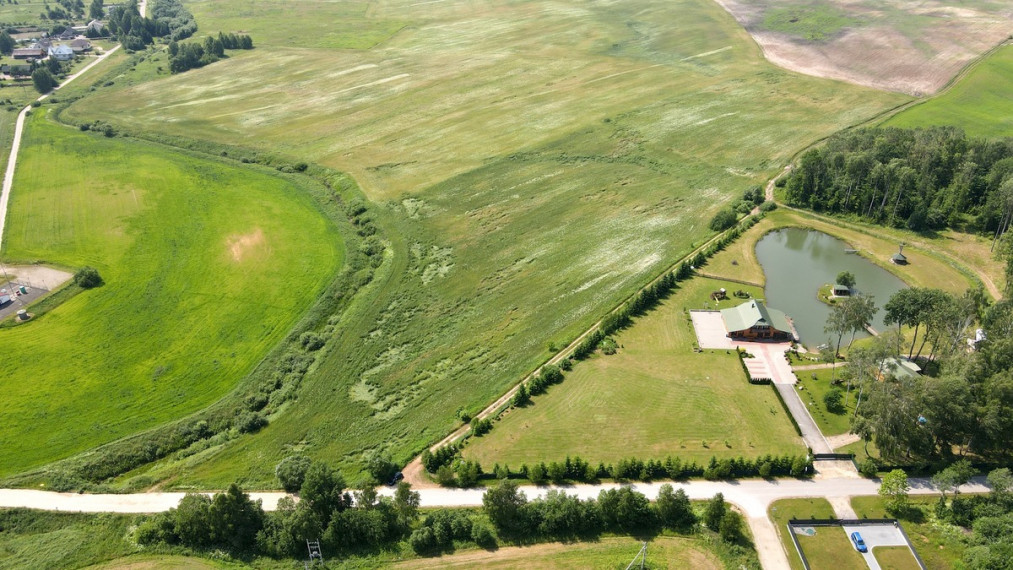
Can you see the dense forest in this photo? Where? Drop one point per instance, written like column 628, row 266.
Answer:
column 922, row 179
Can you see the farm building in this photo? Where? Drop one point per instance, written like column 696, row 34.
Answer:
column 753, row 320
column 61, row 53
column 28, row 53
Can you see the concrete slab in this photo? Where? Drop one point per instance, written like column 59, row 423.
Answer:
column 710, row 330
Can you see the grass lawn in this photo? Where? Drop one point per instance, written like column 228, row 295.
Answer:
column 206, row 268
column 811, row 392
column 830, row 547
column 780, row 512
column 979, row 102
column 940, row 545
column 895, row 558
column 531, row 165
column 654, row 398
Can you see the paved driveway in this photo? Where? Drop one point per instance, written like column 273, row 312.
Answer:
column 877, row 535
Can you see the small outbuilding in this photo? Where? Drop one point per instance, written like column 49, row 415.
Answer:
column 4, row 299
column 899, row 258
column 841, row 290
column 752, row 320
column 900, row 368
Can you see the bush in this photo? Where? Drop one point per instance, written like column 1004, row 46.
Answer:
column 381, row 468
column 834, row 401
column 482, row 535
column 868, row 468
column 88, row 278
column 291, row 472
column 723, row 220
column 769, row 206
column 249, row 422
column 312, row 341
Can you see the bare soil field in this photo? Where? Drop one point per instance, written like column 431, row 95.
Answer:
column 895, row 45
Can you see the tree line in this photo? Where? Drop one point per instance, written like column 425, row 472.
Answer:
column 450, row 469
column 559, row 516
column 347, row 521
column 179, row 21
column 191, row 55
column 922, row 179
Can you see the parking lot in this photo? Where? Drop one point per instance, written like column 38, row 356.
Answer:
column 877, row 535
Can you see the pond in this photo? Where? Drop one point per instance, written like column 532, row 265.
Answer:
column 798, row 262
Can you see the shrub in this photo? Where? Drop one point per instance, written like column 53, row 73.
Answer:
column 312, row 341
column 869, row 468
column 381, row 467
column 291, row 472
column 482, row 535
column 609, row 345
column 249, row 422
column 88, row 278
column 834, row 401
column 768, row 206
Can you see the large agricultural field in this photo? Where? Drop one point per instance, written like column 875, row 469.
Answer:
column 531, row 165
column 654, row 398
column 206, row 268
column 979, row 103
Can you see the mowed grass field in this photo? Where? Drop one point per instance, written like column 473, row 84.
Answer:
column 654, row 398
column 530, row 164
column 611, row 552
column 978, row 102
column 207, row 266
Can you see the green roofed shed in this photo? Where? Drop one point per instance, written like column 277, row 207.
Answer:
column 754, row 320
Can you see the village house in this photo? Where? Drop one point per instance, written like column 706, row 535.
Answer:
column 61, row 53
column 80, row 45
column 752, row 320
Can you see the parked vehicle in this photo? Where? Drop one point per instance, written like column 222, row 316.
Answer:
column 859, row 543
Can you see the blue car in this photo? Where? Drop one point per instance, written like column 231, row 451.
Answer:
column 859, row 543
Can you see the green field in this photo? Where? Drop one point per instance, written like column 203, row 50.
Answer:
column 782, row 511
column 38, row 539
column 530, row 165
column 303, row 24
column 978, row 102
column 206, row 266
column 654, row 398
